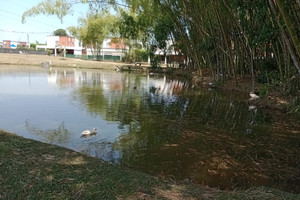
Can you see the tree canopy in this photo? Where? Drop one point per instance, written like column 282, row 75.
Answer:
column 60, row 32
column 60, row 8
column 93, row 29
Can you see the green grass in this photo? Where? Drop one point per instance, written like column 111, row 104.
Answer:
column 33, row 170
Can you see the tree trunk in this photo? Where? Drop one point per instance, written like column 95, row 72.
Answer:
column 293, row 51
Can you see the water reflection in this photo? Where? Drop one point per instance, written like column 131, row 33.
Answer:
column 54, row 136
column 169, row 130
column 165, row 127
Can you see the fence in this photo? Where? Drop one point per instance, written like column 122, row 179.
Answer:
column 21, row 51
column 42, row 52
column 92, row 57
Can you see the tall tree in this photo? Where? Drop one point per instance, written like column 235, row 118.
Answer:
column 60, row 8
column 292, row 39
column 94, row 29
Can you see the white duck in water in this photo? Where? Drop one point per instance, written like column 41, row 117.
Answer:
column 89, row 133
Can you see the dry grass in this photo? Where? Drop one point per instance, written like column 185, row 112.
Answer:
column 36, row 60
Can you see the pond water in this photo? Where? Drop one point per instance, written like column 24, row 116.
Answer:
column 154, row 124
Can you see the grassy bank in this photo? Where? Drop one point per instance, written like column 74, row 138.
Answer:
column 33, row 170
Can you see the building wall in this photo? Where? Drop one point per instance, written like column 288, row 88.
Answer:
column 66, row 41
column 22, row 45
column 117, row 43
column 6, row 44
column 110, row 47
column 52, row 41
column 62, row 41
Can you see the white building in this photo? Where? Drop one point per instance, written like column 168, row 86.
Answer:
column 112, row 48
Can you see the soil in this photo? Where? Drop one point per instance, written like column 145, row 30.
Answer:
column 37, row 60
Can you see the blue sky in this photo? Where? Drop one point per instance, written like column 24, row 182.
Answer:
column 37, row 28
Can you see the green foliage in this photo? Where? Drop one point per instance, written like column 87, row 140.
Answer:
column 60, row 32
column 49, row 52
column 94, row 29
column 60, row 8
column 208, row 44
column 251, row 15
column 162, row 31
column 73, row 31
column 33, row 46
column 134, row 29
column 142, row 55
column 128, row 26
column 154, row 59
column 294, row 107
column 267, row 71
column 136, row 55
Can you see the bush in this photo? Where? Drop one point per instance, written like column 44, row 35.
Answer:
column 49, row 52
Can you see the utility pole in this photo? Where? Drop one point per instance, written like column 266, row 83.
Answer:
column 28, row 44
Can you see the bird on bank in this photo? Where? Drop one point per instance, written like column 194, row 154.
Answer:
column 252, row 108
column 254, row 95
column 89, row 132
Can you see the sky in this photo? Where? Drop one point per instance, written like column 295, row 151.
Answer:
column 36, row 28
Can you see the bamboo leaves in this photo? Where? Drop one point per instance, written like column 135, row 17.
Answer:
column 60, row 8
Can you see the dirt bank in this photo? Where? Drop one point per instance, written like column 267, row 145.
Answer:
column 36, row 60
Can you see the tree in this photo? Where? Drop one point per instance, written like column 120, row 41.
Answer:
column 93, row 29
column 60, row 8
column 60, row 32
column 291, row 39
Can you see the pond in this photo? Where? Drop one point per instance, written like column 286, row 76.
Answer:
column 155, row 124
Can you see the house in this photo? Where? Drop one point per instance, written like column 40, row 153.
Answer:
column 8, row 44
column 58, row 43
column 112, row 48
column 170, row 54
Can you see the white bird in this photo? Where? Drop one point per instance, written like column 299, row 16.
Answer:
column 253, row 95
column 252, row 107
column 88, row 132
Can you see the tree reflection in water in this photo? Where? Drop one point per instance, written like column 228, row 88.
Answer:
column 59, row 135
column 168, row 129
